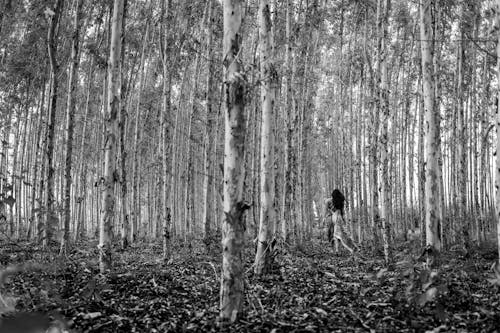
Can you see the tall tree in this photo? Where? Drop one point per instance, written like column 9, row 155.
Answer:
column 269, row 78
column 286, row 209
column 110, row 122
column 70, row 116
column 208, row 181
column 165, row 117
column 122, row 151
column 497, row 173
column 385, row 191
column 461, row 144
column 54, row 72
column 233, row 227
column 431, row 138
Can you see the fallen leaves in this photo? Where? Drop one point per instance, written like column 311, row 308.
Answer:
column 312, row 291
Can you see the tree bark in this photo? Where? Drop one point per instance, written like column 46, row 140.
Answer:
column 269, row 78
column 385, row 191
column 111, row 115
column 50, row 218
column 233, row 228
column 497, row 171
column 70, row 123
column 122, row 128
column 208, row 180
column 287, row 182
column 431, row 140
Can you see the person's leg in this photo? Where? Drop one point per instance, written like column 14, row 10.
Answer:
column 342, row 236
column 331, row 237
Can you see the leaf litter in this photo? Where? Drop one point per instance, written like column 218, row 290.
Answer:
column 311, row 290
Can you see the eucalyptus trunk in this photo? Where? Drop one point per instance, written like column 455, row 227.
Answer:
column 431, row 139
column 208, row 180
column 269, row 78
column 110, row 133
column 51, row 217
column 233, row 227
column 70, row 121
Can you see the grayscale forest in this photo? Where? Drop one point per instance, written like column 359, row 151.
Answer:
column 249, row 166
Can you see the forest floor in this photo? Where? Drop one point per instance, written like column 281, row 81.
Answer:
column 311, row 290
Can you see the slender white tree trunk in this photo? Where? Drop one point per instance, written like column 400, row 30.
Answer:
column 268, row 83
column 70, row 110
column 431, row 139
column 51, row 216
column 287, row 182
column 165, row 116
column 497, row 196
column 208, row 181
column 110, row 177
column 233, row 226
column 385, row 191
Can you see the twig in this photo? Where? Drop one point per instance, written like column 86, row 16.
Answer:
column 213, row 267
column 361, row 321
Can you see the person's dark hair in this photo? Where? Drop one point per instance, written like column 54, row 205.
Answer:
column 338, row 200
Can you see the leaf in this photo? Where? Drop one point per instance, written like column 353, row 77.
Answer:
column 381, row 273
column 438, row 329
column 49, row 12
column 321, row 311
column 7, row 304
column 8, row 271
column 496, row 269
column 92, row 315
column 428, row 296
column 495, row 281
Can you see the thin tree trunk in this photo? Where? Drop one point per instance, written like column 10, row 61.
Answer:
column 50, row 218
column 110, row 177
column 385, row 191
column 70, row 123
column 269, row 78
column 233, row 228
column 165, row 135
column 497, row 173
column 122, row 126
column 432, row 201
column 208, row 180
column 462, row 137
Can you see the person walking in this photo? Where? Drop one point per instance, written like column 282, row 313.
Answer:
column 336, row 226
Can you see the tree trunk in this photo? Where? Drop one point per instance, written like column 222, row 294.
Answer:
column 385, row 191
column 122, row 151
column 110, row 176
column 208, row 180
column 70, row 123
column 165, row 135
column 233, row 228
column 497, row 172
column 462, row 137
column 269, row 78
column 431, row 140
column 287, row 182
column 54, row 68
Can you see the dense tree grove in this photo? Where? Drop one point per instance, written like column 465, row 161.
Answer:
column 173, row 121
